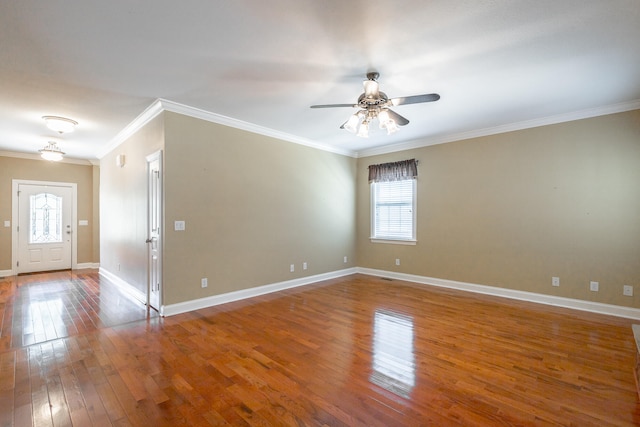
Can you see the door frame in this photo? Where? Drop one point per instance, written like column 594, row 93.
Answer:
column 149, row 159
column 15, row 183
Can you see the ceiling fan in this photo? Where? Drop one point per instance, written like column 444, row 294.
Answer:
column 375, row 104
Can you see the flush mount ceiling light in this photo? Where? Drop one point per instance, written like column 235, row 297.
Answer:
column 60, row 124
column 51, row 152
column 374, row 104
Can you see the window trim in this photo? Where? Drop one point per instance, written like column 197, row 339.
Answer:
column 390, row 240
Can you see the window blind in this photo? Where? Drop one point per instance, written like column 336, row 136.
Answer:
column 393, row 209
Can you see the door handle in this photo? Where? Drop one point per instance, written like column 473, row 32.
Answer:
column 151, row 239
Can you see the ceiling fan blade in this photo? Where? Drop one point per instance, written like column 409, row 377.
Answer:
column 333, row 105
column 400, row 121
column 415, row 99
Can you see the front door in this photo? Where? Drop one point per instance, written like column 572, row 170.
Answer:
column 154, row 243
column 44, row 227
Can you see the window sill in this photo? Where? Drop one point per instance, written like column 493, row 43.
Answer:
column 393, row 241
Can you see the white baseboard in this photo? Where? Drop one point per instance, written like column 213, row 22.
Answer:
column 594, row 307
column 183, row 307
column 126, row 287
column 186, row 306
column 83, row 265
column 7, row 273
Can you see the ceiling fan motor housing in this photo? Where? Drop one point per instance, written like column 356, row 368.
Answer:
column 369, row 102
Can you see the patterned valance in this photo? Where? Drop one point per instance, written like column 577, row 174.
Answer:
column 394, row 171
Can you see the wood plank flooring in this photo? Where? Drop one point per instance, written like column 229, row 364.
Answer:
column 40, row 307
column 346, row 352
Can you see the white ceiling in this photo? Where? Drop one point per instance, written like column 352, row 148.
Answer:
column 498, row 64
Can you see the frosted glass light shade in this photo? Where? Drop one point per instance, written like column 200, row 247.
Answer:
column 60, row 124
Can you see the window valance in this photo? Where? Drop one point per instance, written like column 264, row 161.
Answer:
column 394, row 171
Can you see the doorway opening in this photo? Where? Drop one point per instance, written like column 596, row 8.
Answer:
column 44, row 226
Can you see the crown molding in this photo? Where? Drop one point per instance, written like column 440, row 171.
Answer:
column 32, row 156
column 160, row 105
column 246, row 126
column 527, row 124
column 145, row 117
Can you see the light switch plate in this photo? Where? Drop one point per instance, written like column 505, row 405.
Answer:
column 7, row 223
column 179, row 225
column 83, row 222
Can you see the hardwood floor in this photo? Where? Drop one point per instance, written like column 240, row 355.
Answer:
column 40, row 307
column 353, row 351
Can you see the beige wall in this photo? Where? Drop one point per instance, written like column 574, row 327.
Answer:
column 512, row 210
column 39, row 170
column 123, row 205
column 253, row 205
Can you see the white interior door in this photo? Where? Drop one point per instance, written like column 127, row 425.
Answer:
column 154, row 240
column 45, row 227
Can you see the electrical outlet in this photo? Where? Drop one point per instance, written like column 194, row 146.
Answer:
column 594, row 286
column 304, row 265
column 204, row 282
column 345, row 259
column 627, row 290
column 292, row 268
column 397, row 261
column 555, row 281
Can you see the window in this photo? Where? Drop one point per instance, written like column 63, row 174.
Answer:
column 393, row 202
column 46, row 218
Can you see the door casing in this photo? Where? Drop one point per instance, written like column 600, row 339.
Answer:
column 15, row 183
column 155, row 230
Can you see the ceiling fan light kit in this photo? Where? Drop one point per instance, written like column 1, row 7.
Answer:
column 375, row 104
column 61, row 125
column 51, row 152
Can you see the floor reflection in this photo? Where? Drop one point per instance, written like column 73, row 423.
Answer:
column 42, row 307
column 393, row 354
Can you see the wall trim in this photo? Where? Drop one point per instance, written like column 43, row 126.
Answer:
column 197, row 304
column 128, row 289
column 33, row 156
column 249, row 127
column 138, row 123
column 575, row 304
column 83, row 265
column 160, row 105
column 186, row 306
column 509, row 127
